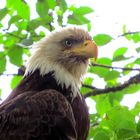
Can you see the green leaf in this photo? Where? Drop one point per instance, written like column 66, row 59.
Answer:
column 115, row 99
column 91, row 133
column 132, row 89
column 138, row 49
column 83, row 10
column 128, row 36
column 85, row 90
column 102, row 39
column 22, row 25
column 101, row 135
column 21, row 7
column 136, row 37
column 2, row 62
column 35, row 23
column 124, row 29
column 102, row 72
column 77, row 16
column 120, row 51
column 138, row 127
column 137, row 61
column 119, row 54
column 42, row 34
column 112, row 75
column 51, row 3
column 102, row 104
column 120, row 58
column 15, row 55
column 124, row 133
column 87, row 81
column 77, row 19
column 3, row 13
column 89, row 27
column 1, row 25
column 63, row 5
column 121, row 117
column 136, row 110
column 27, row 42
column 42, row 8
column 14, row 19
column 27, row 52
column 130, row 65
column 15, row 81
column 104, row 61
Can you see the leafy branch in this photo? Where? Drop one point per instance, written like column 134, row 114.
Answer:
column 13, row 35
column 21, row 71
column 133, row 80
column 128, row 33
column 113, row 67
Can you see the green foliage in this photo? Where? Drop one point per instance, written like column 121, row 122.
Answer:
column 15, row 55
column 138, row 49
column 3, row 13
column 81, row 10
column 137, row 61
column 118, row 123
column 17, row 5
column 102, row 39
column 15, row 80
column 42, row 7
column 111, row 121
column 87, row 81
column 78, row 15
column 101, row 135
column 119, row 54
column 2, row 62
column 102, row 72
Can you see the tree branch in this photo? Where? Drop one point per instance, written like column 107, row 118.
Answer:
column 11, row 34
column 95, row 91
column 133, row 80
column 89, row 86
column 111, row 67
column 128, row 33
column 20, row 72
column 10, row 74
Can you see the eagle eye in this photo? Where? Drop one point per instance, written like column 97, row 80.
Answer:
column 68, row 43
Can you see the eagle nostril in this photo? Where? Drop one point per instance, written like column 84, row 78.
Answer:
column 86, row 44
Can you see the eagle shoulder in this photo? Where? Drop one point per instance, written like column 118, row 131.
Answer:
column 37, row 115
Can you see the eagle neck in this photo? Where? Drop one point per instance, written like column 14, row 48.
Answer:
column 36, row 81
column 62, row 76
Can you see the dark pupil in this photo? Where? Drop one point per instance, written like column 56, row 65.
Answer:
column 68, row 43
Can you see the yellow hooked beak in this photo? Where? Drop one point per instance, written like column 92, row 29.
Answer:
column 87, row 49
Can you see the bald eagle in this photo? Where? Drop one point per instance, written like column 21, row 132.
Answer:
column 47, row 104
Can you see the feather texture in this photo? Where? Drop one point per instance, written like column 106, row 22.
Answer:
column 37, row 115
column 40, row 109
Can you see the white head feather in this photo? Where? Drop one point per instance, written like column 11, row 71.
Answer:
column 48, row 53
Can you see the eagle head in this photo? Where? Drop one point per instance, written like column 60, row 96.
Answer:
column 66, row 52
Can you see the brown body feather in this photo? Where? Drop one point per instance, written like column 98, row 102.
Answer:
column 39, row 109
